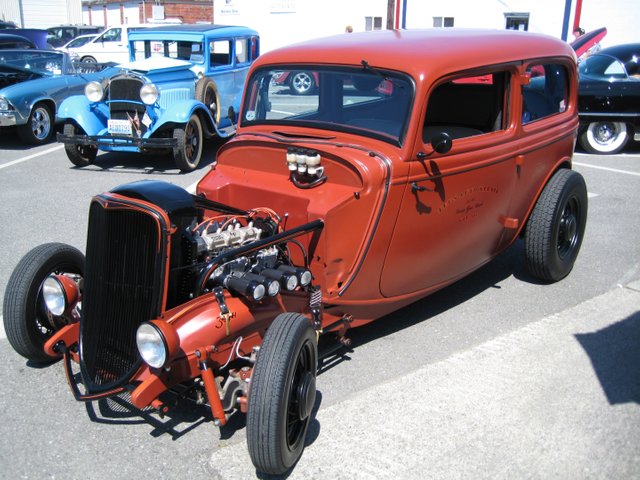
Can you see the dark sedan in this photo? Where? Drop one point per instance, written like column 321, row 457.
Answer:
column 609, row 99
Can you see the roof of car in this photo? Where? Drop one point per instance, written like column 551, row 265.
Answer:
column 195, row 27
column 623, row 52
column 419, row 51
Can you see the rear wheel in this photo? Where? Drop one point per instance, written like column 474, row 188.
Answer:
column 282, row 394
column 188, row 149
column 39, row 126
column 27, row 321
column 80, row 155
column 554, row 232
column 605, row 137
column 88, row 59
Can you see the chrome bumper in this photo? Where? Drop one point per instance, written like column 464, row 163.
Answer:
column 7, row 119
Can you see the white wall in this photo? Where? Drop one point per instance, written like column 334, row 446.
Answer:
column 282, row 22
column 41, row 13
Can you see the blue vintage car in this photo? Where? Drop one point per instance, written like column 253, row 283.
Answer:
column 33, row 83
column 183, row 84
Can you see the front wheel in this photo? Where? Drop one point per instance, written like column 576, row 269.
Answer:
column 282, row 394
column 188, row 149
column 302, row 83
column 27, row 321
column 554, row 232
column 80, row 155
column 39, row 126
column 604, row 137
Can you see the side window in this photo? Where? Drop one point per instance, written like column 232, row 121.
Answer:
column 112, row 35
column 468, row 106
column 546, row 93
column 220, row 51
column 242, row 51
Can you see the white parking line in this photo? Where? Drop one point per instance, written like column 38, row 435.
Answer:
column 2, row 334
column 29, row 157
column 615, row 170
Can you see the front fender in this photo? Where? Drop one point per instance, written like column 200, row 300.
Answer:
column 180, row 112
column 91, row 117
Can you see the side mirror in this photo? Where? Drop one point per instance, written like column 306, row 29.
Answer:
column 441, row 142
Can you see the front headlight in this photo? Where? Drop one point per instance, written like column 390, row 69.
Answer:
column 54, row 296
column 4, row 104
column 149, row 94
column 151, row 345
column 94, row 91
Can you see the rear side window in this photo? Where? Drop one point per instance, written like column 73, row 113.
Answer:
column 546, row 93
column 468, row 106
column 220, row 52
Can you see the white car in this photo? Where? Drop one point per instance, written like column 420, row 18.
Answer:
column 75, row 43
column 112, row 45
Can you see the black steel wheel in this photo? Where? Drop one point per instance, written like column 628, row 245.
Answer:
column 39, row 126
column 605, row 138
column 188, row 149
column 80, row 155
column 282, row 394
column 302, row 83
column 555, row 230
column 27, row 321
column 207, row 93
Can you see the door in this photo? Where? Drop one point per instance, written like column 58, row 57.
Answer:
column 454, row 211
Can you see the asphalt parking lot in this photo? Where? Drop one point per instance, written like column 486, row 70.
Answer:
column 496, row 376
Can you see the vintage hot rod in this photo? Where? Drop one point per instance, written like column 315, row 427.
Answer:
column 419, row 158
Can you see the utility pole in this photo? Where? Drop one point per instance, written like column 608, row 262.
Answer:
column 391, row 14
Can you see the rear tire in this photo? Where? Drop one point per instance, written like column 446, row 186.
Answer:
column 27, row 321
column 80, row 155
column 604, row 138
column 188, row 150
column 555, row 230
column 282, row 394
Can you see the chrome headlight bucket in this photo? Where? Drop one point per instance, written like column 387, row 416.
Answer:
column 149, row 94
column 54, row 295
column 94, row 92
column 4, row 104
column 152, row 345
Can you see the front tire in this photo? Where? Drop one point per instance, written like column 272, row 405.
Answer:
column 604, row 138
column 27, row 322
column 79, row 155
column 555, row 230
column 39, row 126
column 282, row 394
column 188, row 150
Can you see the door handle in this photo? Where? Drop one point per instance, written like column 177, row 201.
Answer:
column 419, row 188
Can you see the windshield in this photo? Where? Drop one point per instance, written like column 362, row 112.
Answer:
column 360, row 100
column 43, row 63
column 183, row 50
column 604, row 67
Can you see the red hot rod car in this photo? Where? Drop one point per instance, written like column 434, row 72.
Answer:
column 325, row 212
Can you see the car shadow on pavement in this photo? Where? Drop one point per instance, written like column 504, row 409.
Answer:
column 508, row 263
column 148, row 163
column 615, row 356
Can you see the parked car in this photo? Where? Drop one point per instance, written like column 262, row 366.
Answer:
column 4, row 25
column 184, row 84
column 12, row 41
column 77, row 42
column 320, row 215
column 62, row 34
column 112, row 45
column 609, row 101
column 33, row 83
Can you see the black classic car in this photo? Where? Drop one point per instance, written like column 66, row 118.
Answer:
column 609, row 99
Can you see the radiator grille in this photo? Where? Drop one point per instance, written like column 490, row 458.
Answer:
column 125, row 103
column 123, row 281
